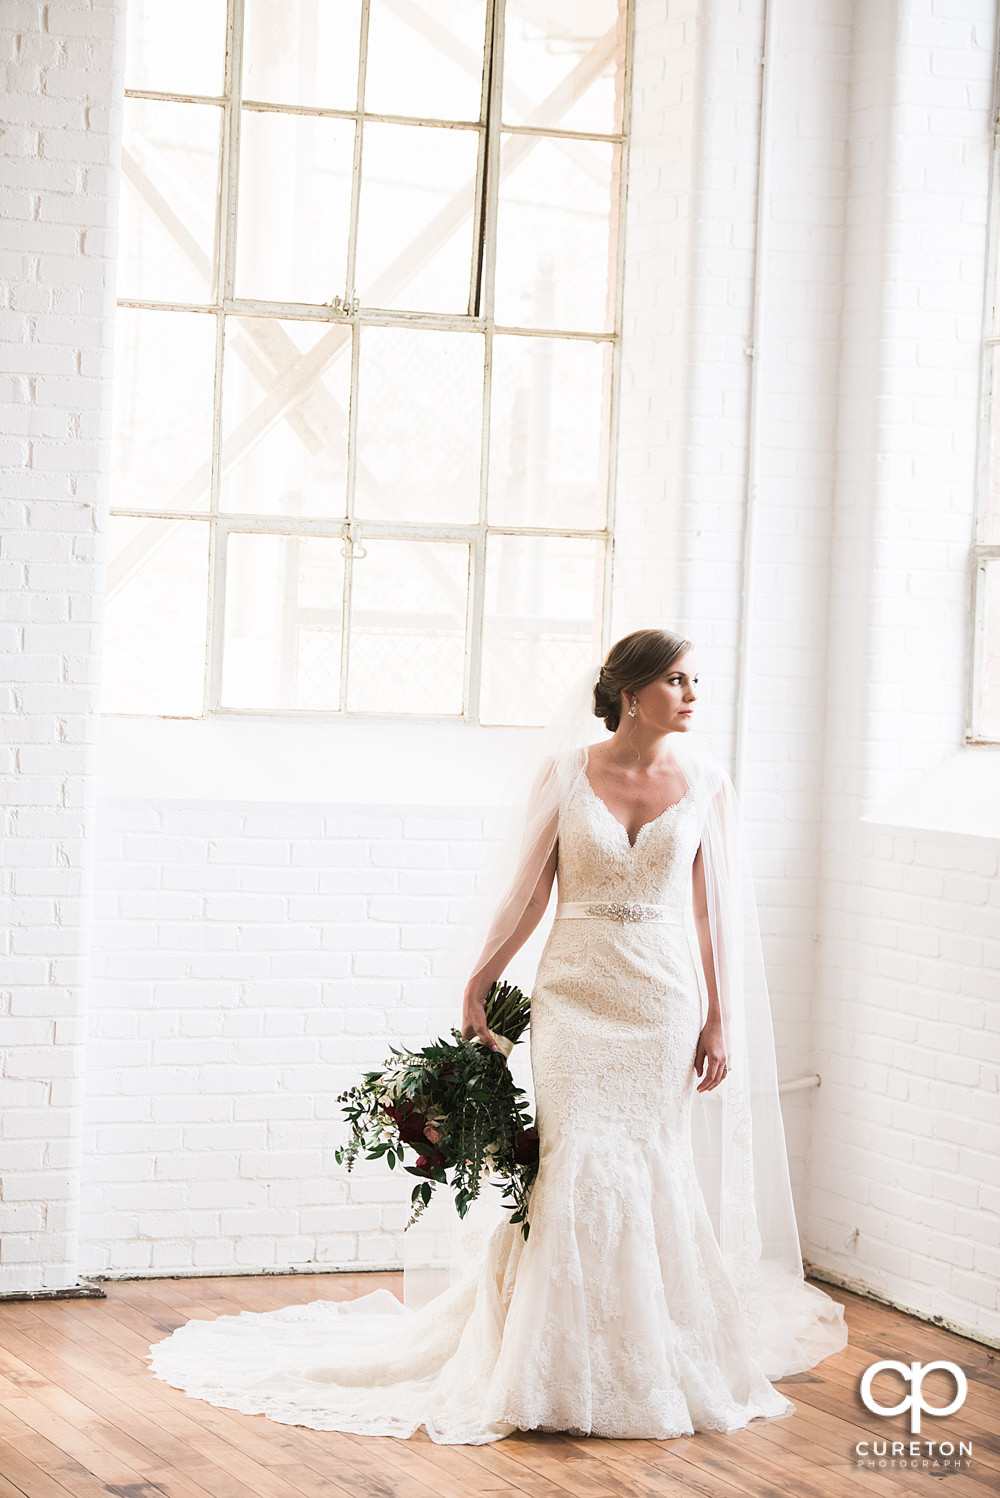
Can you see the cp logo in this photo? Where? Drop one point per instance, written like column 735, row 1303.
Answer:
column 914, row 1374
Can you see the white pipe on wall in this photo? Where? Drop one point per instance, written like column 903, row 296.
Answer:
column 801, row 1084
column 753, row 406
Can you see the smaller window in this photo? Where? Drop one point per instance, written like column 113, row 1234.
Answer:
column 984, row 718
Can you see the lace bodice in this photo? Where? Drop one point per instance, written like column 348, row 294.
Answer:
column 597, row 862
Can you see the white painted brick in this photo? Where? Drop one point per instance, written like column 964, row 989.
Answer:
column 412, row 854
column 338, row 881
column 389, row 965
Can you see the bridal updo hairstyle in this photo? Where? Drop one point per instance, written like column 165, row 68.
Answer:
column 633, row 662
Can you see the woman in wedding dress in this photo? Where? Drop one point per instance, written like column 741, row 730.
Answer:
column 627, row 1312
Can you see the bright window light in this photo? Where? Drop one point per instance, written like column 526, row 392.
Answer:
column 366, row 355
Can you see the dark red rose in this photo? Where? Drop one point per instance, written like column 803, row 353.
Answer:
column 409, row 1122
column 526, row 1147
column 434, row 1160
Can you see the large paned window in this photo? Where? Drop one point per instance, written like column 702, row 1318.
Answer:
column 366, row 352
column 984, row 705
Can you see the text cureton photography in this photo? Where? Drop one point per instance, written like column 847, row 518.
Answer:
column 935, row 1455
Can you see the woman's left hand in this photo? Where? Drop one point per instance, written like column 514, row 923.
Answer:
column 711, row 1054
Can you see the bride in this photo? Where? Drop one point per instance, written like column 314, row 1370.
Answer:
column 661, row 1287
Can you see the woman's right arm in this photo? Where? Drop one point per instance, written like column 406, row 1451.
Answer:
column 478, row 986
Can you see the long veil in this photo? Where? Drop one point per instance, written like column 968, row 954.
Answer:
column 737, row 1130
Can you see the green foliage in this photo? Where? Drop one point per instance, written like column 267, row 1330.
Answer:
column 455, row 1105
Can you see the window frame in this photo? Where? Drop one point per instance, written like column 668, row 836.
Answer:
column 984, row 551
column 347, row 311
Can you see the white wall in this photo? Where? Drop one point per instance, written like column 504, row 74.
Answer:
column 261, row 939
column 57, row 147
column 277, row 901
column 250, row 962
column 905, row 1130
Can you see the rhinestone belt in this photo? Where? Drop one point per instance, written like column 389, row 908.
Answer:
column 619, row 910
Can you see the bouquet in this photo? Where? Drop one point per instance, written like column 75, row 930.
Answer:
column 456, row 1106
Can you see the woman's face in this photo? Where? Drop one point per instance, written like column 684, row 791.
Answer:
column 667, row 704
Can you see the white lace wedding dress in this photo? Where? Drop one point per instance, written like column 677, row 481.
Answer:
column 617, row 1317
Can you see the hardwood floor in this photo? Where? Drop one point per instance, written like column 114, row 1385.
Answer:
column 81, row 1417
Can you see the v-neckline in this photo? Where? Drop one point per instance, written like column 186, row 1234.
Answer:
column 621, row 825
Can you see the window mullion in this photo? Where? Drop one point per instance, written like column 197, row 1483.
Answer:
column 978, row 652
column 165, row 97
column 350, row 301
column 352, row 469
column 486, row 114
column 614, row 398
column 216, row 570
column 218, row 548
column 231, row 163
column 489, row 113
column 484, row 250
column 492, row 153
column 474, row 632
column 224, row 272
column 477, row 576
column 359, row 131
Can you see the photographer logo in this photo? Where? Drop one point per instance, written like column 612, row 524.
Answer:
column 914, row 1374
column 937, row 1454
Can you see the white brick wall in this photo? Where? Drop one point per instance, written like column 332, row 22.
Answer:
column 57, row 149
column 908, row 1042
column 250, row 961
column 909, row 985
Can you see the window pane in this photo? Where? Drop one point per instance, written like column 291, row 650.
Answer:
column 408, row 609
column 542, row 624
column 295, row 207
column 555, row 240
column 155, row 617
column 564, row 64
column 302, row 52
column 549, row 433
column 286, row 388
column 284, row 604
column 178, row 48
column 170, row 200
column 420, row 395
column 425, row 58
column 415, row 219
column 164, row 376
column 990, row 522
column 990, row 675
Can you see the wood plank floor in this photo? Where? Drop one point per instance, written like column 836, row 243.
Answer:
column 82, row 1417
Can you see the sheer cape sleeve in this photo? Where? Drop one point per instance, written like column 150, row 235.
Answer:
column 533, row 829
column 737, row 1129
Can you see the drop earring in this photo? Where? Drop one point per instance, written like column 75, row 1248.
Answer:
column 633, row 709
